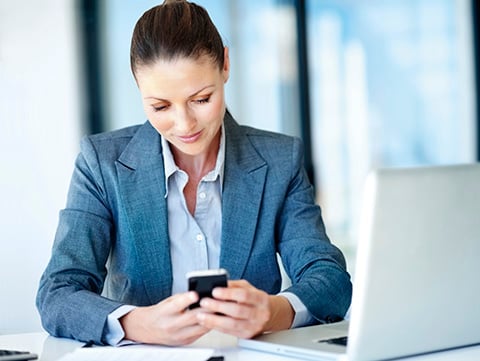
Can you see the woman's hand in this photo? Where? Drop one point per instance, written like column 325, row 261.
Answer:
column 245, row 311
column 167, row 323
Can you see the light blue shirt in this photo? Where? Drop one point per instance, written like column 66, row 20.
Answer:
column 194, row 240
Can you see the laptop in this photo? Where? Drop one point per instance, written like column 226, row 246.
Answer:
column 416, row 287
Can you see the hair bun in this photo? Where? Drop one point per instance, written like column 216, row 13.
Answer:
column 167, row 2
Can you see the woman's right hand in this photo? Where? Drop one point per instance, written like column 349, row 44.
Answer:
column 168, row 322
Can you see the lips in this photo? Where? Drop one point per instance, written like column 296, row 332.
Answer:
column 191, row 138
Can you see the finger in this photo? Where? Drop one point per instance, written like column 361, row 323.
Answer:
column 186, row 318
column 231, row 309
column 239, row 283
column 179, row 302
column 238, row 328
column 248, row 295
column 179, row 329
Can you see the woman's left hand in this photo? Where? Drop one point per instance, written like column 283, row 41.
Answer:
column 244, row 311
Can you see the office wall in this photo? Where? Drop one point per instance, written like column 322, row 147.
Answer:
column 40, row 117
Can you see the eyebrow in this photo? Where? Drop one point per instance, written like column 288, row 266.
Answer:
column 194, row 94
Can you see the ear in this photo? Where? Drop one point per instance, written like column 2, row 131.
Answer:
column 226, row 65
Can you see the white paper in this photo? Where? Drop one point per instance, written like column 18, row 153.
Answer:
column 139, row 353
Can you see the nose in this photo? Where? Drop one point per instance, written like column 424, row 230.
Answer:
column 185, row 120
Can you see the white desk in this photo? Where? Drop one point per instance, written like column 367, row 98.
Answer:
column 51, row 349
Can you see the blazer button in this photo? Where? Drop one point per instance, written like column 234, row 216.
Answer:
column 333, row 319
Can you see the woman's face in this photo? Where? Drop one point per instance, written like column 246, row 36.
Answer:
column 185, row 102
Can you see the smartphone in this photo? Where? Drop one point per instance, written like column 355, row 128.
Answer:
column 203, row 282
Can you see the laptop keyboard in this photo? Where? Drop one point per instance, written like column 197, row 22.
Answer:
column 342, row 341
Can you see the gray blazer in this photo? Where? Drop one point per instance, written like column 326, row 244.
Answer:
column 111, row 247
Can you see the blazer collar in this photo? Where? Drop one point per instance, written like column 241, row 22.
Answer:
column 143, row 149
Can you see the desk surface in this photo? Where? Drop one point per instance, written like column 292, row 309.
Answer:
column 51, row 349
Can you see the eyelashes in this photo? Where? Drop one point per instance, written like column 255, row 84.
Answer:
column 202, row 101
column 158, row 109
column 196, row 101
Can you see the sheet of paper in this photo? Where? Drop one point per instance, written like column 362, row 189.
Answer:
column 139, row 353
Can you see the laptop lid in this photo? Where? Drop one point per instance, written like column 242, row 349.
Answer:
column 415, row 287
column 416, row 282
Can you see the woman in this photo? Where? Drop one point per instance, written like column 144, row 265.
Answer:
column 190, row 189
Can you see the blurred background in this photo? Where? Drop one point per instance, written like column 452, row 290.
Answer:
column 364, row 83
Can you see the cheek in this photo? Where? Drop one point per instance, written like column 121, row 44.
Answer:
column 216, row 110
column 160, row 122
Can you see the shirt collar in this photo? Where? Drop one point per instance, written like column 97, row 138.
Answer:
column 171, row 167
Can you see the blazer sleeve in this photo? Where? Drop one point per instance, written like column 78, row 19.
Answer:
column 316, row 267
column 69, row 296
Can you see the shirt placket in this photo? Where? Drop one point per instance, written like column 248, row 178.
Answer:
column 200, row 237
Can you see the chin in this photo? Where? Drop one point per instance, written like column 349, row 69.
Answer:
column 191, row 150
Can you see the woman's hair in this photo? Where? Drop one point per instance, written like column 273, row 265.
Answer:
column 175, row 29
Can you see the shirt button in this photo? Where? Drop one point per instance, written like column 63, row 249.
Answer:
column 199, row 237
column 202, row 195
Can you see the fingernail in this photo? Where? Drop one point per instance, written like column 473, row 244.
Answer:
column 216, row 292
column 205, row 303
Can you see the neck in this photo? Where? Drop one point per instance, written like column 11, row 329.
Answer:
column 196, row 166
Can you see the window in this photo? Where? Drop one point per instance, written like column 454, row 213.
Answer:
column 392, row 84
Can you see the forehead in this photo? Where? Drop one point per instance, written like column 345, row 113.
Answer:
column 181, row 76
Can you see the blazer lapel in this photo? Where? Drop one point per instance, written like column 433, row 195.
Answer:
column 244, row 181
column 142, row 188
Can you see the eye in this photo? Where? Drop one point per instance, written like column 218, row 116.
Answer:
column 159, row 108
column 202, row 100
